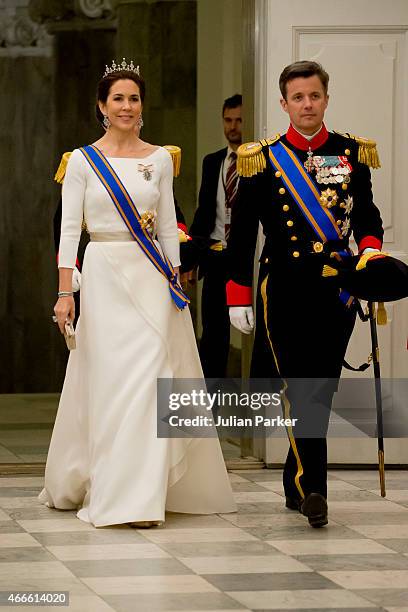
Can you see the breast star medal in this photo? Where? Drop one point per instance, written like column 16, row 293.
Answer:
column 146, row 171
column 347, row 205
column 148, row 220
column 328, row 198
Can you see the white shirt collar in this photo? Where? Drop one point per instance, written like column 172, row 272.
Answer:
column 229, row 151
column 307, row 136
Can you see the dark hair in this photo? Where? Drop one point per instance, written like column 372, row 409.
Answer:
column 232, row 102
column 105, row 84
column 302, row 69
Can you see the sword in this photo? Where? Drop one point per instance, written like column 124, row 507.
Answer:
column 378, row 398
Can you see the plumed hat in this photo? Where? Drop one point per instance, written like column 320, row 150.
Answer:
column 375, row 278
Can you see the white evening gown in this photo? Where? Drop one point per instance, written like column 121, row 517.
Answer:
column 105, row 458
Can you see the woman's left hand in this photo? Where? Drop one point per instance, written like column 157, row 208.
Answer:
column 64, row 311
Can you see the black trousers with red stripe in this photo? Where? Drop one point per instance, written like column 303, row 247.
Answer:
column 303, row 329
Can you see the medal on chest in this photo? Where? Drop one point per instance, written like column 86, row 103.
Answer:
column 332, row 171
column 147, row 171
column 309, row 165
column 329, row 169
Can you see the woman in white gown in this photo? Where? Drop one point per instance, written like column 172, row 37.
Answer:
column 105, row 458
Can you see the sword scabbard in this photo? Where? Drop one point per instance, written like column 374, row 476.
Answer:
column 381, row 468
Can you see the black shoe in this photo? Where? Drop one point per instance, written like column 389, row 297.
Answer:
column 314, row 507
column 292, row 503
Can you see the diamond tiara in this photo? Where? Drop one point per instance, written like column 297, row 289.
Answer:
column 122, row 66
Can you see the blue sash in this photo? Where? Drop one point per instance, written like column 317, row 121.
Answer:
column 304, row 192
column 345, row 297
column 130, row 215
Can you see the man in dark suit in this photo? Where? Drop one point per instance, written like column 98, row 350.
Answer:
column 219, row 184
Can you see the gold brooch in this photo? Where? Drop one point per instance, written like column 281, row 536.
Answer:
column 328, row 198
column 148, row 220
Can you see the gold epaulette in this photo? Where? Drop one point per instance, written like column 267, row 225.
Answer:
column 367, row 151
column 175, row 153
column 265, row 142
column 60, row 173
column 250, row 159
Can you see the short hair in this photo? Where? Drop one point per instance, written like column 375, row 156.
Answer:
column 303, row 69
column 105, row 84
column 232, row 102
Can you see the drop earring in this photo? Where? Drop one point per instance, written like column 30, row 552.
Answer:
column 106, row 122
column 140, row 123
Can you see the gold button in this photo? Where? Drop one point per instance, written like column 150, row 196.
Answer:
column 339, row 221
column 285, row 207
column 278, row 174
column 295, row 253
column 282, row 190
column 293, row 238
column 289, row 223
column 266, row 260
column 317, row 247
column 344, row 186
column 347, row 151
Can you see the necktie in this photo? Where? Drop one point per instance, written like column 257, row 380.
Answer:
column 231, row 188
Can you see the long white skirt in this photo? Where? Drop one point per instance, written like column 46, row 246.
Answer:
column 105, row 458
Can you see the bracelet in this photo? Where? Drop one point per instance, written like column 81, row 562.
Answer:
column 65, row 293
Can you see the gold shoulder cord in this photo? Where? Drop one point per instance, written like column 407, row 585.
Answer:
column 250, row 159
column 60, row 173
column 175, row 153
column 367, row 150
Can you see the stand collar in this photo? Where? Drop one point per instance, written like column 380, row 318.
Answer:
column 300, row 142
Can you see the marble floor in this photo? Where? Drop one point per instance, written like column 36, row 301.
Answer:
column 264, row 557
column 26, row 422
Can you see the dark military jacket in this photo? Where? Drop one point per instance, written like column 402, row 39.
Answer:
column 263, row 197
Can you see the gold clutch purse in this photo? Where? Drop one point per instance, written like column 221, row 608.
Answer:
column 69, row 335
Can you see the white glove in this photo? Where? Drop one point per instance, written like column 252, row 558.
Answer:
column 76, row 280
column 242, row 318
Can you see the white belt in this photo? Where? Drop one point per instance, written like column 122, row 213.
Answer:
column 111, row 237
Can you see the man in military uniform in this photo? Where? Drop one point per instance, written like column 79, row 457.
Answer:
column 309, row 189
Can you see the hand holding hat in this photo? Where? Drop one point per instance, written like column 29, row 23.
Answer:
column 375, row 276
